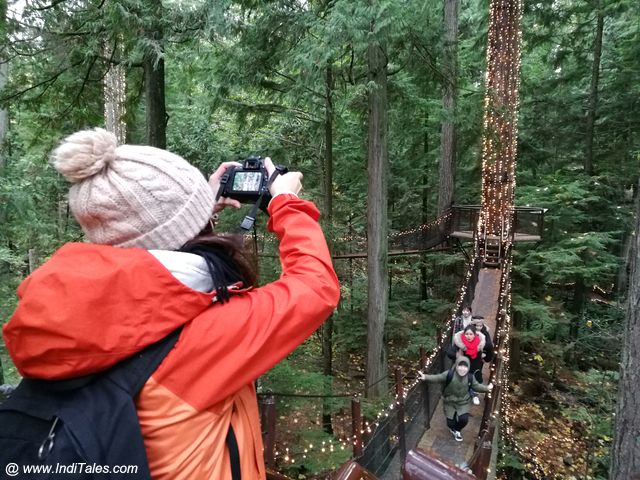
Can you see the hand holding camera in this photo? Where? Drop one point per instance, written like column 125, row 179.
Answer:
column 289, row 182
column 214, row 182
column 252, row 181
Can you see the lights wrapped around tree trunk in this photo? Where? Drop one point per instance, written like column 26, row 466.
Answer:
column 114, row 98
column 499, row 145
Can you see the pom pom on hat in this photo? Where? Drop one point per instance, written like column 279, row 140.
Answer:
column 84, row 154
column 132, row 195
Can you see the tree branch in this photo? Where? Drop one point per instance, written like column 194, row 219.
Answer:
column 46, row 82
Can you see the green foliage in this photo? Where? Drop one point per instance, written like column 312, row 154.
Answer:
column 285, row 377
column 511, row 462
column 327, row 454
column 594, row 412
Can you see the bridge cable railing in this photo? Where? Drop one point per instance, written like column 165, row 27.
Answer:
column 352, row 244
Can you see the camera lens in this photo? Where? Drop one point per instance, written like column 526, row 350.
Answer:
column 251, row 163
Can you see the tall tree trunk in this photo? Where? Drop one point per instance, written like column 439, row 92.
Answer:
column 3, row 119
column 500, row 138
column 593, row 93
column 377, row 228
column 4, row 71
column 425, row 206
column 625, row 456
column 623, row 272
column 327, row 328
column 577, row 305
column 156, row 112
column 155, row 103
column 448, row 141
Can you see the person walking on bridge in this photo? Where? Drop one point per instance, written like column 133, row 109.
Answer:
column 456, row 398
column 471, row 344
column 463, row 320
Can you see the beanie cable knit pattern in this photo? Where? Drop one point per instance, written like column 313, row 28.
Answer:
column 132, row 195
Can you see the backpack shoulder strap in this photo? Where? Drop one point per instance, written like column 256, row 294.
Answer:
column 131, row 374
column 449, row 378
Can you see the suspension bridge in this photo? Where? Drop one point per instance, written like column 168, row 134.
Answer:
column 411, row 438
column 409, row 441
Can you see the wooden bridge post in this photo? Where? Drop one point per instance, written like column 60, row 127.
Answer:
column 426, row 401
column 442, row 354
column 480, row 465
column 269, row 429
column 402, row 438
column 356, row 427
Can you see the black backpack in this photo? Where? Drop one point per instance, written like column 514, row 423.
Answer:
column 83, row 428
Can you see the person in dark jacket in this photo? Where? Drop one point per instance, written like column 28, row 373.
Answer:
column 463, row 320
column 481, row 327
column 456, row 397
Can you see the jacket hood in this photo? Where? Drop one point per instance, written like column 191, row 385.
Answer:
column 462, row 359
column 91, row 306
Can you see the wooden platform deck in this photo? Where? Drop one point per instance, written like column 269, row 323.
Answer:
column 517, row 237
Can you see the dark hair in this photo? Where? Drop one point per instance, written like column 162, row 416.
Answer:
column 470, row 327
column 466, row 307
column 228, row 260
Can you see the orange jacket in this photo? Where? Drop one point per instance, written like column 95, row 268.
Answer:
column 91, row 306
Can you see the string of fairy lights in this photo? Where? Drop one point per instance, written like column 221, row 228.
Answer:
column 114, row 88
column 443, row 219
column 530, row 455
column 499, row 154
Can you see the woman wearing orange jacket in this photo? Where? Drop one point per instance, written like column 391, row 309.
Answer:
column 153, row 265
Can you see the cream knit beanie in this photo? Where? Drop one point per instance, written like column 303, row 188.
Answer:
column 132, row 196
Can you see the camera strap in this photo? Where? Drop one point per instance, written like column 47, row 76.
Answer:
column 250, row 218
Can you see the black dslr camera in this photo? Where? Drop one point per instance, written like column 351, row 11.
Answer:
column 248, row 183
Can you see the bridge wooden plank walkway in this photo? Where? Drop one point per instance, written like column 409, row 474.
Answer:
column 438, row 438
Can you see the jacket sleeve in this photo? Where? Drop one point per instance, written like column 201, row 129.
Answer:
column 457, row 324
column 483, row 341
column 232, row 344
column 479, row 387
column 437, row 378
column 457, row 340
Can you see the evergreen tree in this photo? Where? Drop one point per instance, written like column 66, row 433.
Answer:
column 626, row 447
column 448, row 142
column 377, row 222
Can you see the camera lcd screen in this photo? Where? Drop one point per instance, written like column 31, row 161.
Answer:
column 247, row 181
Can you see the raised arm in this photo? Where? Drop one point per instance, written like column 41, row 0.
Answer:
column 437, row 378
column 230, row 345
column 481, row 387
